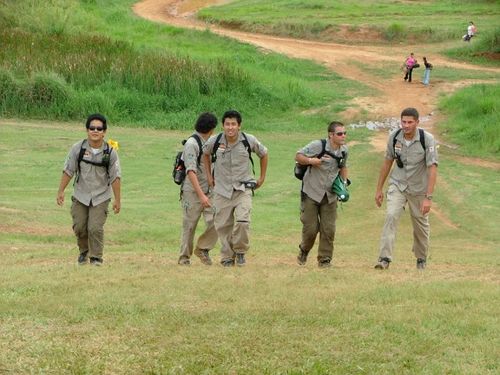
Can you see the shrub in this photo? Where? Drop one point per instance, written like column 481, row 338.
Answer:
column 395, row 31
column 46, row 89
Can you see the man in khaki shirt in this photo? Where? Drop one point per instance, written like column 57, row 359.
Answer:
column 196, row 195
column 233, row 185
column 318, row 206
column 412, row 181
column 96, row 167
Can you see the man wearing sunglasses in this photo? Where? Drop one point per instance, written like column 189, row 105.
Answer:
column 96, row 168
column 318, row 209
column 411, row 181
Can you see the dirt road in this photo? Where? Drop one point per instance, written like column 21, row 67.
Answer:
column 392, row 94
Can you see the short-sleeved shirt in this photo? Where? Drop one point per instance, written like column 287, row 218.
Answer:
column 232, row 166
column 318, row 181
column 190, row 156
column 413, row 176
column 92, row 183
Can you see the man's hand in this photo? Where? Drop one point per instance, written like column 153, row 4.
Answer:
column 117, row 206
column 379, row 198
column 60, row 198
column 205, row 201
column 426, row 206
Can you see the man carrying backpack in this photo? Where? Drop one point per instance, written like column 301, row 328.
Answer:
column 230, row 155
column 96, row 168
column 318, row 207
column 196, row 195
column 411, row 181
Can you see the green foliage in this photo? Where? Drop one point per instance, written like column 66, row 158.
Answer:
column 395, row 31
column 473, row 115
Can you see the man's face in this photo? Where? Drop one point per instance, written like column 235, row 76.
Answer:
column 409, row 125
column 231, row 127
column 96, row 131
column 338, row 136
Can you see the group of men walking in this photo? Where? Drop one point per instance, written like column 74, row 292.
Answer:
column 220, row 182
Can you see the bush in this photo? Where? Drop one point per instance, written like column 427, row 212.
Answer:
column 395, row 31
column 46, row 89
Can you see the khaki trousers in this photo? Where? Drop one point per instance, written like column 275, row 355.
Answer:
column 192, row 211
column 318, row 217
column 232, row 222
column 88, row 226
column 396, row 201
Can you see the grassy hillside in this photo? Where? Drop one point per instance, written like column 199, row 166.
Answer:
column 65, row 59
column 141, row 313
column 362, row 20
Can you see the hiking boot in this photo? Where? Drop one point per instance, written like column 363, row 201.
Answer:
column 240, row 259
column 184, row 262
column 227, row 263
column 324, row 263
column 203, row 255
column 421, row 263
column 302, row 258
column 95, row 261
column 383, row 264
column 82, row 258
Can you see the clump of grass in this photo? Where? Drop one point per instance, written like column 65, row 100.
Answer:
column 395, row 31
column 473, row 117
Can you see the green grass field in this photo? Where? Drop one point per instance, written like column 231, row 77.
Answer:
column 361, row 20
column 141, row 313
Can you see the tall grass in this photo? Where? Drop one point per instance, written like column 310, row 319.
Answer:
column 473, row 115
column 484, row 48
column 158, row 86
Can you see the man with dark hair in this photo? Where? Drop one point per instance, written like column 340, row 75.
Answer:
column 96, row 168
column 412, row 181
column 318, row 206
column 233, row 185
column 196, row 195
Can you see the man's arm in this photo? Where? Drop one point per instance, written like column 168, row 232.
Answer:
column 431, row 182
column 263, row 170
column 208, row 169
column 205, row 202
column 304, row 160
column 384, row 172
column 65, row 179
column 116, row 186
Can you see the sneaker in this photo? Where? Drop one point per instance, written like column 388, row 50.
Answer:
column 324, row 263
column 227, row 263
column 95, row 261
column 184, row 262
column 302, row 257
column 203, row 255
column 240, row 259
column 82, row 258
column 383, row 264
column 421, row 263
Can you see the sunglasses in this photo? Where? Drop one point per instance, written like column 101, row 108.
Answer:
column 96, row 128
column 340, row 133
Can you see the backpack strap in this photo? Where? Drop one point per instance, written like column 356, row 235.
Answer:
column 105, row 161
column 197, row 137
column 245, row 143
column 340, row 159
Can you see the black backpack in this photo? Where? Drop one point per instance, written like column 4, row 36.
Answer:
column 106, row 156
column 300, row 170
column 399, row 162
column 179, row 171
column 245, row 143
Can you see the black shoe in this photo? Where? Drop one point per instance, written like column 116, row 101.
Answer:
column 95, row 261
column 240, row 259
column 227, row 263
column 302, row 257
column 82, row 258
column 184, row 262
column 421, row 263
column 383, row 264
column 324, row 263
column 203, row 255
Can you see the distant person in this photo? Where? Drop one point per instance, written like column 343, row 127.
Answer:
column 411, row 181
column 409, row 65
column 96, row 168
column 196, row 195
column 471, row 31
column 427, row 72
column 318, row 211
column 230, row 152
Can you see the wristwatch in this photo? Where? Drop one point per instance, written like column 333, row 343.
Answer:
column 428, row 197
